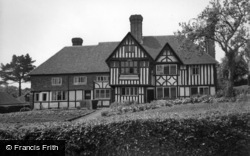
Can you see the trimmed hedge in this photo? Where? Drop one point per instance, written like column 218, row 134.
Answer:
column 216, row 135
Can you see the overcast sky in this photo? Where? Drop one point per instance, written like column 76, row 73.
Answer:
column 43, row 27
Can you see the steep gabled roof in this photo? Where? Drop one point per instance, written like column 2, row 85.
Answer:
column 91, row 59
column 6, row 99
column 78, row 59
column 154, row 44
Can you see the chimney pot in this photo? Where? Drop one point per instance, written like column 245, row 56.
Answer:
column 77, row 41
column 136, row 26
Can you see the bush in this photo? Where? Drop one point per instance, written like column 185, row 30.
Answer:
column 208, row 136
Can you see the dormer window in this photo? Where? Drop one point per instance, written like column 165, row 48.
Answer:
column 129, row 67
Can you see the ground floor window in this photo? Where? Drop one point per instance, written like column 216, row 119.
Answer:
column 102, row 93
column 36, row 98
column 199, row 90
column 44, row 96
column 166, row 92
column 59, row 95
column 129, row 91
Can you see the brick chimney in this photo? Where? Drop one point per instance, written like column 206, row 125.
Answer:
column 77, row 41
column 210, row 44
column 136, row 27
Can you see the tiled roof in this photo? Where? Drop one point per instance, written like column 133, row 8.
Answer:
column 91, row 59
column 154, row 44
column 78, row 59
column 6, row 99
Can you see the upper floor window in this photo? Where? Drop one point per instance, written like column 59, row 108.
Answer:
column 80, row 80
column 102, row 78
column 56, row 81
column 129, row 67
column 169, row 69
column 195, row 70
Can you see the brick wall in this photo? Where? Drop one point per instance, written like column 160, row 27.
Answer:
column 43, row 83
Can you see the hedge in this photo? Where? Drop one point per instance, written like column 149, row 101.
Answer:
column 216, row 135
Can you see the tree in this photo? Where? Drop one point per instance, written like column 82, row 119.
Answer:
column 247, row 56
column 226, row 23
column 17, row 70
column 241, row 69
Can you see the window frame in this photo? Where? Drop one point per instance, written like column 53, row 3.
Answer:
column 62, row 94
column 102, row 78
column 77, row 80
column 203, row 87
column 56, row 81
column 163, row 68
column 163, row 89
column 195, row 70
column 129, row 67
column 106, row 94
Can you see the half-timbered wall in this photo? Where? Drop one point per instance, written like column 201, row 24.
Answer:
column 129, row 51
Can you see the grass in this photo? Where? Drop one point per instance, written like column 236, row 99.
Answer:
column 42, row 116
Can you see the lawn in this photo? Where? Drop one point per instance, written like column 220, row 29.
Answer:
column 39, row 116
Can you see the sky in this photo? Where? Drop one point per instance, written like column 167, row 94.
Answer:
column 41, row 28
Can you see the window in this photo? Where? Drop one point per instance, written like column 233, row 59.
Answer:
column 129, row 67
column 59, row 95
column 102, row 78
column 129, row 91
column 80, row 80
column 114, row 64
column 36, row 97
column 203, row 90
column 56, row 81
column 44, row 96
column 166, row 93
column 194, row 90
column 170, row 69
column 195, row 70
column 102, row 93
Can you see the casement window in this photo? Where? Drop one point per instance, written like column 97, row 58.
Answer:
column 114, row 64
column 195, row 70
column 169, row 69
column 129, row 91
column 194, row 90
column 199, row 90
column 36, row 98
column 129, row 67
column 166, row 92
column 203, row 90
column 102, row 93
column 129, row 49
column 56, row 81
column 144, row 64
column 102, row 78
column 59, row 96
column 80, row 80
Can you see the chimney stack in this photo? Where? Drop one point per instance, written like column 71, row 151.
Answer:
column 77, row 41
column 136, row 27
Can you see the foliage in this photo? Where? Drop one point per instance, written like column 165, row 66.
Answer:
column 224, row 22
column 17, row 70
column 241, row 68
column 212, row 133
